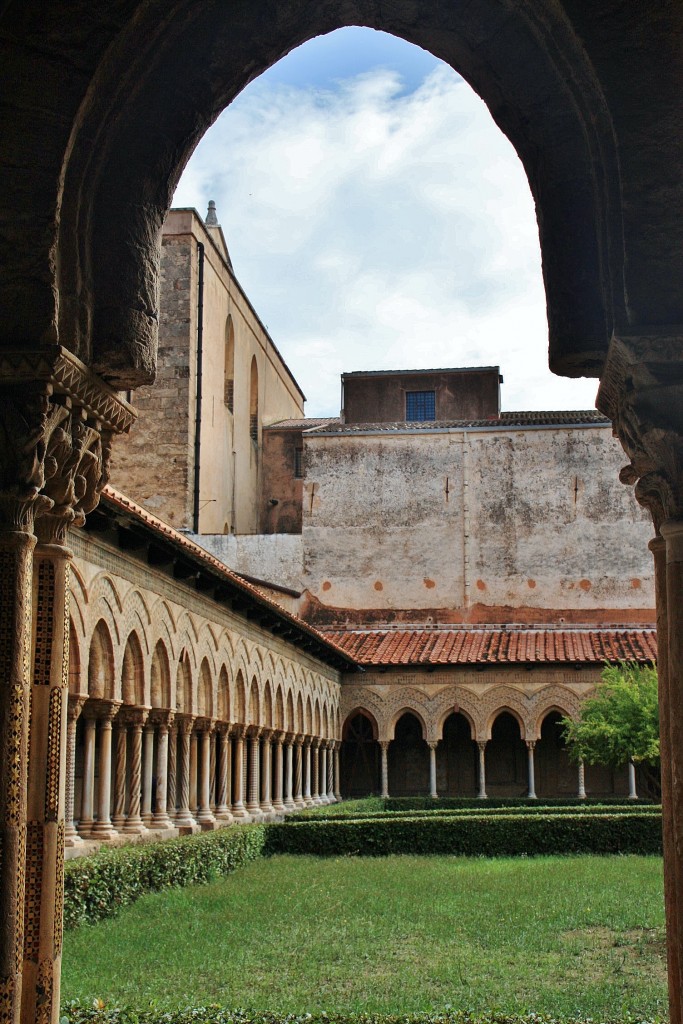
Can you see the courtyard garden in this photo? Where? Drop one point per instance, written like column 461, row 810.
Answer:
column 568, row 937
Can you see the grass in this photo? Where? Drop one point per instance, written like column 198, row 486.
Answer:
column 570, row 937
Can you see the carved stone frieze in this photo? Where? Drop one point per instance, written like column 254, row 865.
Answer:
column 641, row 391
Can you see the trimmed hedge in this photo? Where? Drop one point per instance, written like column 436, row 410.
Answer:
column 75, row 1014
column 480, row 808
column 97, row 886
column 470, row 835
column 419, row 803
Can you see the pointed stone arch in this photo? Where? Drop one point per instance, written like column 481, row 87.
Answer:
column 160, row 677
column 133, row 672
column 101, row 684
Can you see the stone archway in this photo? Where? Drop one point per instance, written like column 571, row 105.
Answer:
column 83, row 197
column 360, row 757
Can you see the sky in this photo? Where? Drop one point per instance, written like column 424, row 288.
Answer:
column 378, row 219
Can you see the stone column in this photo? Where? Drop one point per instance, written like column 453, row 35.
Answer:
column 331, row 772
column 315, row 772
column 204, row 816
column 194, row 773
column 632, row 791
column 172, row 772
column 16, row 564
column 531, row 772
column 299, row 801
column 308, row 765
column 671, row 757
column 103, row 828
column 71, row 836
column 324, row 798
column 223, row 756
column 641, row 392
column 147, row 772
column 121, row 734
column 212, row 771
column 183, row 818
column 254, row 775
column 161, row 818
column 432, row 768
column 481, row 744
column 289, row 771
column 337, row 772
column 581, row 791
column 278, row 774
column 384, row 747
column 134, row 823
column 266, row 771
column 86, row 820
column 239, row 811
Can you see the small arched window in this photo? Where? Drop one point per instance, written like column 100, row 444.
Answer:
column 253, row 402
column 229, row 371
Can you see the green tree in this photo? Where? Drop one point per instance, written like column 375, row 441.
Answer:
column 620, row 721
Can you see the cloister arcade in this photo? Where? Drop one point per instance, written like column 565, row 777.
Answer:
column 453, row 753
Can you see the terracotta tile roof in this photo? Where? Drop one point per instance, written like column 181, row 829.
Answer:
column 304, row 423
column 581, row 417
column 324, row 647
column 495, row 646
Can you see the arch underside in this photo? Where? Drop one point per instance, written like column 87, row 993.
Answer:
column 108, row 144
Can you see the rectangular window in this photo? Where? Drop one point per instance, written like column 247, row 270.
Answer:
column 298, row 462
column 420, row 405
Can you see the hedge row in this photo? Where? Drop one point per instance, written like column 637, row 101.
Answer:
column 470, row 835
column 480, row 808
column 96, row 887
column 75, row 1014
column 419, row 803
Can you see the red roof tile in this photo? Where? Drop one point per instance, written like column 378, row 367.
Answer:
column 495, row 646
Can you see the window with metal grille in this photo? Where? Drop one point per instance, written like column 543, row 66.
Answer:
column 420, row 405
column 298, row 462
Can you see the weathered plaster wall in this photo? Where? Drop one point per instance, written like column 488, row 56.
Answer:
column 506, row 525
column 155, row 463
column 276, row 557
column 280, row 483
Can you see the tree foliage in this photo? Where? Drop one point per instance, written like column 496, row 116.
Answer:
column 620, row 721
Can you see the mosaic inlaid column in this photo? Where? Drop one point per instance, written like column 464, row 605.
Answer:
column 161, row 817
column 224, row 757
column 481, row 744
column 254, row 774
column 384, row 748
column 308, row 796
column 266, row 804
column 289, row 772
column 120, row 762
column 581, row 789
column 531, row 770
column 134, row 823
column 337, row 771
column 212, row 772
column 86, row 819
column 433, row 744
column 239, row 811
column 172, row 772
column 54, row 441
column 324, row 798
column 330, row 772
column 71, row 836
column 183, row 818
column 278, row 775
column 194, row 772
column 147, row 772
column 204, row 816
column 103, row 828
column 299, row 801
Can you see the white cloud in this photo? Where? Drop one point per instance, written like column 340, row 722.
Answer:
column 378, row 229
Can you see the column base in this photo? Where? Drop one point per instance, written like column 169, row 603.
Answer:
column 223, row 816
column 103, row 831
column 160, row 821
column 289, row 805
column 279, row 807
column 71, row 837
column 188, row 830
column 299, row 804
column 134, row 828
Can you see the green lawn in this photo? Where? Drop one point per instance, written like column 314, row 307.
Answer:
column 566, row 936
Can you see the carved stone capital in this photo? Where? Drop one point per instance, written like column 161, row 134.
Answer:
column 133, row 716
column 162, row 717
column 75, row 706
column 642, row 393
column 56, row 425
column 101, row 709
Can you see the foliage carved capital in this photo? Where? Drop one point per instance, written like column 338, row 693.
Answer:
column 642, row 393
